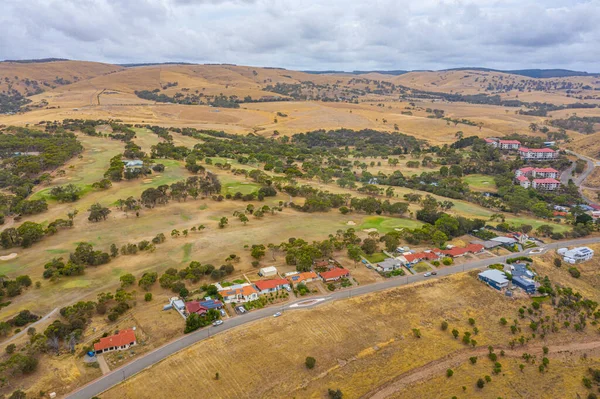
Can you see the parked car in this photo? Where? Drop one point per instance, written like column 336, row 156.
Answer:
column 434, row 273
column 217, row 322
column 223, row 313
column 427, row 274
column 277, row 314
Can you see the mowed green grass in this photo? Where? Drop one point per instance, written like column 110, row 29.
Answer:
column 480, row 183
column 376, row 257
column 231, row 185
column 385, row 224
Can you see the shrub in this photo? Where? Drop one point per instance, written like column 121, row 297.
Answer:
column 10, row 349
column 148, row 297
column 473, row 359
column 574, row 272
column 471, row 321
column 480, row 383
column 488, row 378
column 444, row 325
column 449, row 373
column 310, row 362
column 447, row 261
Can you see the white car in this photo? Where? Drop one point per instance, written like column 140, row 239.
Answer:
column 277, row 314
column 217, row 323
column 427, row 274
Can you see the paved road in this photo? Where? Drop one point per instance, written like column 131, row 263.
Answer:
column 116, row 376
column 578, row 180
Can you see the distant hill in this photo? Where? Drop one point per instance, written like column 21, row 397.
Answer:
column 36, row 61
column 531, row 73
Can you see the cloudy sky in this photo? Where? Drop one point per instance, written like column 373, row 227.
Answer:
column 309, row 34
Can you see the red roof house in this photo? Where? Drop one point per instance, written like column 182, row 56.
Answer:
column 123, row 340
column 265, row 286
column 416, row 257
column 334, row 274
column 195, row 307
column 455, row 252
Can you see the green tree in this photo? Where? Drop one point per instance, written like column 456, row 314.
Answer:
column 449, row 373
column 310, row 362
column 127, row 280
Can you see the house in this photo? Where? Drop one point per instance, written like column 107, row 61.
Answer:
column 528, row 171
column 455, row 252
column 124, row 339
column 488, row 244
column 546, row 172
column 527, row 284
column 415, row 258
column 494, row 278
column 509, row 144
column 505, row 240
column 334, row 274
column 268, row 286
column 549, row 143
column 133, row 164
column 388, row 265
column 211, row 304
column 492, row 142
column 537, row 154
column 545, row 184
column 239, row 293
column 537, row 172
column 178, row 304
column 195, row 307
column 523, row 181
column 267, row 271
column 521, row 270
column 303, row 278
column 576, row 255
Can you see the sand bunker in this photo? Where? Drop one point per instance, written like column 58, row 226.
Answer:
column 351, row 223
column 9, row 257
column 369, row 230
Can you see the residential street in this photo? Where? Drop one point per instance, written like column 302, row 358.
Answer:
column 118, row 375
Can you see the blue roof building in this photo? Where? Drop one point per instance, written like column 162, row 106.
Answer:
column 494, row 278
column 525, row 283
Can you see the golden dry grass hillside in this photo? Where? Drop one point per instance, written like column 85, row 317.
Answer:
column 25, row 77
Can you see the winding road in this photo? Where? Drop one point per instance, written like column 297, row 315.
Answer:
column 119, row 375
column 578, row 180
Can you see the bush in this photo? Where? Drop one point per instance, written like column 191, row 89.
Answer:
column 334, row 394
column 480, row 383
column 310, row 362
column 148, row 297
column 449, row 373
column 10, row 349
column 557, row 262
column 473, row 359
column 574, row 272
column 444, row 325
column 447, row 261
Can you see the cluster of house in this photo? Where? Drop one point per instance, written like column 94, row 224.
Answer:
column 122, row 340
column 522, row 278
column 538, row 178
column 509, row 240
column 408, row 259
column 528, row 154
column 246, row 292
column 576, row 255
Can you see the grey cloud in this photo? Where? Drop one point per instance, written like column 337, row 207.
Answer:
column 303, row 34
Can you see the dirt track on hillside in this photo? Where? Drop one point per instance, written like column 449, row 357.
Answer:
column 453, row 360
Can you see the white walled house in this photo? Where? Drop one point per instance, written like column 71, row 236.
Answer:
column 546, row 184
column 509, row 144
column 523, row 181
column 536, row 154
